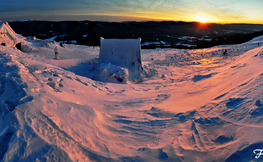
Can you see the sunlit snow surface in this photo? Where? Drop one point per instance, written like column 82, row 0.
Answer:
column 191, row 105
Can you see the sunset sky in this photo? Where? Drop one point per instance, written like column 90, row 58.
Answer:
column 217, row 11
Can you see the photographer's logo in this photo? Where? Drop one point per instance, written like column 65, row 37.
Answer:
column 258, row 153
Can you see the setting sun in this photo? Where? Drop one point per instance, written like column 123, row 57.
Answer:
column 202, row 19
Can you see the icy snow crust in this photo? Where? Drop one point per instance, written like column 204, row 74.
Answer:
column 192, row 105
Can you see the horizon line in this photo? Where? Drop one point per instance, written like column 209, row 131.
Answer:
column 114, row 18
column 127, row 21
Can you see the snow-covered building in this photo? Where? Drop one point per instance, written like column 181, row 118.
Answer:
column 8, row 37
column 125, row 53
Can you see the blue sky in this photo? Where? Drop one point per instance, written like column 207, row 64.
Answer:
column 222, row 11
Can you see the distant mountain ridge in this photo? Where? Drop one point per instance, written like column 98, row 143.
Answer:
column 166, row 34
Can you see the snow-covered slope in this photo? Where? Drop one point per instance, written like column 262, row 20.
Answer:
column 192, row 105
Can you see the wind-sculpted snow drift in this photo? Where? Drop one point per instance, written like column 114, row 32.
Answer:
column 191, row 105
column 18, row 141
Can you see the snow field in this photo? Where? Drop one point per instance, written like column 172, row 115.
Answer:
column 191, row 105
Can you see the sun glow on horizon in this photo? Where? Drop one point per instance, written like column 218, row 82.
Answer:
column 202, row 19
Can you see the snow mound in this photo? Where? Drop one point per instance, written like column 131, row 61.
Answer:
column 111, row 73
column 27, row 48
